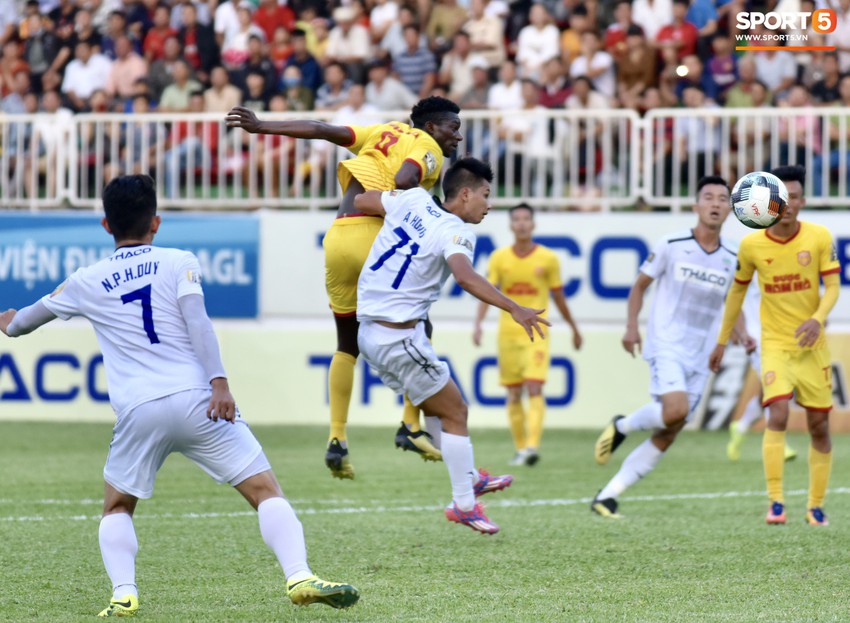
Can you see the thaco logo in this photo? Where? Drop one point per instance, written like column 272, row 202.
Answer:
column 785, row 30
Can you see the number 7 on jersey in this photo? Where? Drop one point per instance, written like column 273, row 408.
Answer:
column 404, row 238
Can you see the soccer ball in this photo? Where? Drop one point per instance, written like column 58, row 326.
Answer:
column 759, row 199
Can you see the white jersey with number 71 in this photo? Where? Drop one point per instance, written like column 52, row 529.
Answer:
column 407, row 266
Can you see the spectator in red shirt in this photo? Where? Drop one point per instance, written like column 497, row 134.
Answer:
column 154, row 45
column 616, row 33
column 554, row 86
column 679, row 35
column 270, row 16
column 199, row 47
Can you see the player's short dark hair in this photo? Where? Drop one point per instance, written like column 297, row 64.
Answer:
column 466, row 173
column 521, row 206
column 709, row 180
column 791, row 173
column 129, row 203
column 434, row 108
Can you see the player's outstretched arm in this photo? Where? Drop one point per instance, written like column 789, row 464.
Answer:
column 631, row 339
column 408, row 176
column 16, row 323
column 204, row 343
column 245, row 118
column 561, row 304
column 483, row 290
column 731, row 315
column 370, row 203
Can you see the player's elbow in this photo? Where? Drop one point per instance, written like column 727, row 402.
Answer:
column 407, row 179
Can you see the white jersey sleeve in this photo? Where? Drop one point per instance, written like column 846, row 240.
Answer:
column 656, row 262
column 131, row 299
column 64, row 300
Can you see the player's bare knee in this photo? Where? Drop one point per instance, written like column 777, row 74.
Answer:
column 259, row 488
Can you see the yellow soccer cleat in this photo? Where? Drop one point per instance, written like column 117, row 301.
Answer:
column 790, row 453
column 418, row 442
column 127, row 606
column 336, row 458
column 608, row 441
column 736, row 440
column 605, row 508
column 315, row 590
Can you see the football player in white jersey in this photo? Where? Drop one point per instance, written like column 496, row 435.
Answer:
column 169, row 390
column 693, row 270
column 419, row 245
column 753, row 410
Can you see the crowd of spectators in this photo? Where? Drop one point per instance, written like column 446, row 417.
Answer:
column 378, row 55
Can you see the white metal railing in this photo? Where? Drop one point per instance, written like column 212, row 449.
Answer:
column 556, row 159
column 732, row 142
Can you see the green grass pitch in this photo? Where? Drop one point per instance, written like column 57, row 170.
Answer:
column 693, row 546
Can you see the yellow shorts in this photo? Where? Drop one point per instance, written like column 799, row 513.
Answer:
column 347, row 244
column 806, row 373
column 522, row 360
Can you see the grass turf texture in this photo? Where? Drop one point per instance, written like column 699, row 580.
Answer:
column 673, row 558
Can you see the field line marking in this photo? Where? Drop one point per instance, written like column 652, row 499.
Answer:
column 503, row 503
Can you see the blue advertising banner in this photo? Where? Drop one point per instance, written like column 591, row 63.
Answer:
column 38, row 251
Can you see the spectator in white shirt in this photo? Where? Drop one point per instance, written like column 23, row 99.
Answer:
column 506, row 94
column 777, row 69
column 385, row 92
column 595, row 64
column 456, row 68
column 486, row 33
column 840, row 37
column 49, row 133
column 537, row 42
column 226, row 22
column 651, row 15
column 383, row 14
column 349, row 43
column 85, row 74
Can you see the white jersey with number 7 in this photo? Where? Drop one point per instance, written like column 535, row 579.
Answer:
column 407, row 267
column 130, row 298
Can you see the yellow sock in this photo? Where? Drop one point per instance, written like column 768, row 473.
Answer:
column 516, row 418
column 773, row 454
column 820, row 465
column 410, row 416
column 340, row 384
column 536, row 411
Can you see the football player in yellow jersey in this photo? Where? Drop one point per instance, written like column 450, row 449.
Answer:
column 528, row 273
column 791, row 258
column 388, row 156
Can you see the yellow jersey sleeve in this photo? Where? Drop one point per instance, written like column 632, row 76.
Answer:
column 553, row 273
column 493, row 269
column 427, row 155
column 746, row 266
column 359, row 135
column 828, row 254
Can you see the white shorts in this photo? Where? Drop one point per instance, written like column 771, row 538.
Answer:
column 668, row 375
column 145, row 436
column 404, row 359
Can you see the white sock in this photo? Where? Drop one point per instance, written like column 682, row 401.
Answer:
column 648, row 417
column 458, row 457
column 284, row 535
column 118, row 547
column 434, row 427
column 638, row 464
column 751, row 413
